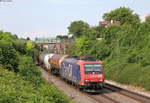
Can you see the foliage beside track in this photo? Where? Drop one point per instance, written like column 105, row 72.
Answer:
column 20, row 78
column 14, row 89
column 124, row 48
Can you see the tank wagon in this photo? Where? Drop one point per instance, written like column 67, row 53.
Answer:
column 86, row 73
column 55, row 62
column 43, row 60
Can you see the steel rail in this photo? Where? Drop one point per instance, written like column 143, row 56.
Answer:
column 130, row 94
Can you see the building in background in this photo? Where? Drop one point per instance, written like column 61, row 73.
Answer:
column 52, row 45
column 108, row 23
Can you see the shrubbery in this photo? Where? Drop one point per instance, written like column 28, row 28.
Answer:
column 14, row 89
column 29, row 70
column 20, row 46
column 8, row 56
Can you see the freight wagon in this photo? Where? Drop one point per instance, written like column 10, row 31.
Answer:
column 43, row 60
column 55, row 62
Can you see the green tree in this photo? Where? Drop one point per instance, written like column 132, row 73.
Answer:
column 84, row 45
column 143, row 35
column 20, row 46
column 70, row 49
column 102, row 50
column 30, row 48
column 77, row 28
column 15, row 37
column 110, row 34
column 122, row 14
column 6, row 36
column 28, row 69
column 99, row 31
column 8, row 56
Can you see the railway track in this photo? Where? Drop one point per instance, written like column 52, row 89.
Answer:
column 101, row 98
column 106, row 95
column 132, row 95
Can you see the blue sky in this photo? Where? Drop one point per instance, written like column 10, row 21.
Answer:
column 48, row 18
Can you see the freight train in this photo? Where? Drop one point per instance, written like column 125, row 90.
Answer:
column 84, row 72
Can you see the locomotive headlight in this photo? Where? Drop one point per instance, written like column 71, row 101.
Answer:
column 100, row 76
column 86, row 80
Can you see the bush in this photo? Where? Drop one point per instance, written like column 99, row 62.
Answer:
column 19, row 45
column 29, row 70
column 14, row 89
column 6, row 36
column 8, row 56
column 145, row 60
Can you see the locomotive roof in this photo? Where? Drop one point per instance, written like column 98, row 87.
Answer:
column 87, row 58
column 75, row 59
column 71, row 60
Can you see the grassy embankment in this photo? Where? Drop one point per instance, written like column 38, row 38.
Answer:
column 17, row 88
column 121, row 71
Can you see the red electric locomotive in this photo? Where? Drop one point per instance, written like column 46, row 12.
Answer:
column 87, row 74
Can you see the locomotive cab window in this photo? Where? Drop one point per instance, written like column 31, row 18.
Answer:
column 93, row 68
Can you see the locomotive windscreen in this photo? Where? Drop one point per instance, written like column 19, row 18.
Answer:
column 93, row 68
